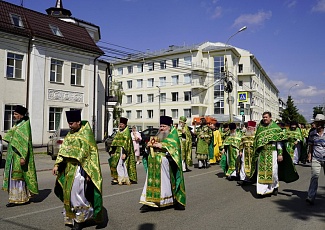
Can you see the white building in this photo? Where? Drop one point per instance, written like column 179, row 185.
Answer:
column 50, row 66
column 189, row 80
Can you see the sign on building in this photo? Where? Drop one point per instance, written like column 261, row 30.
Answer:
column 242, row 97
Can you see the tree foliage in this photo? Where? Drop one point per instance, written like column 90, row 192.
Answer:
column 291, row 113
column 317, row 110
column 116, row 90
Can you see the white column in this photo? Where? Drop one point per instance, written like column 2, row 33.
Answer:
column 110, row 121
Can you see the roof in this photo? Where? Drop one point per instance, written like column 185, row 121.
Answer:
column 37, row 25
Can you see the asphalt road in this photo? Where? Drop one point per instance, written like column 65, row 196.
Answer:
column 212, row 203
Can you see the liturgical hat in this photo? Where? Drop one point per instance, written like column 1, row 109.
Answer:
column 73, row 115
column 232, row 126
column 21, row 110
column 124, row 120
column 166, row 120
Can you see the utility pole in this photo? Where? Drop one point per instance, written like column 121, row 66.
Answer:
column 158, row 104
column 227, row 80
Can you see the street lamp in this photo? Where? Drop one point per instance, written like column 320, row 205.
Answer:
column 228, row 83
column 291, row 88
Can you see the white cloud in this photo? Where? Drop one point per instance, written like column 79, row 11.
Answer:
column 319, row 7
column 217, row 12
column 253, row 19
column 291, row 4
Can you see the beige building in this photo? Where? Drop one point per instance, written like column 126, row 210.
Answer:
column 189, row 81
column 50, row 66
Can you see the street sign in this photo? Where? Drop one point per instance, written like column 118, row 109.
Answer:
column 242, row 97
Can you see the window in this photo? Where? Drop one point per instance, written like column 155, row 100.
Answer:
column 128, row 99
column 128, row 114
column 175, row 96
column 240, row 68
column 150, row 83
column 130, row 69
column 175, row 113
column 139, row 98
column 8, row 117
column 129, row 84
column 151, row 66
column 139, row 114
column 56, row 31
column 188, row 61
column 163, row 97
column 162, row 81
column 139, row 128
column 175, row 62
column 175, row 80
column 219, row 107
column 187, row 79
column 119, row 85
column 14, row 65
column 76, row 74
column 56, row 70
column 150, row 98
column 54, row 118
column 163, row 65
column 187, row 96
column 240, row 83
column 163, row 112
column 16, row 20
column 187, row 113
column 140, row 68
column 120, row 71
column 139, row 83
column 150, row 113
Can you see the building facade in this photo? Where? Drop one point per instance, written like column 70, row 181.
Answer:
column 189, row 81
column 50, row 65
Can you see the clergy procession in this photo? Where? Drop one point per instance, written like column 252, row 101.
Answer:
column 257, row 154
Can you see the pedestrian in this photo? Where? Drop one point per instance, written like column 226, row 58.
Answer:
column 230, row 148
column 294, row 141
column 19, row 176
column 270, row 163
column 204, row 135
column 246, row 152
column 164, row 185
column 78, row 174
column 217, row 142
column 185, row 138
column 136, row 138
column 316, row 156
column 122, row 158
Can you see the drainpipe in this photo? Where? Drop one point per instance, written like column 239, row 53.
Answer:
column 28, row 69
column 107, row 75
column 94, row 100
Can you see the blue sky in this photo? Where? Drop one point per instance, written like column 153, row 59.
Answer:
column 286, row 36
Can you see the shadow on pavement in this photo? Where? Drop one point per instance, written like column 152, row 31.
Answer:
column 146, row 226
column 220, row 175
column 42, row 195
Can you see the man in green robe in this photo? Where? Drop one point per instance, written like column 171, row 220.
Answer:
column 164, row 185
column 122, row 161
column 231, row 149
column 270, row 163
column 204, row 136
column 185, row 137
column 294, row 142
column 79, row 179
column 19, row 176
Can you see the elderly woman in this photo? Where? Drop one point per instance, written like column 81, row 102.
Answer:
column 136, row 138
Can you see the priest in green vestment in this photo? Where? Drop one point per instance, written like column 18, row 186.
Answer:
column 270, row 162
column 79, row 178
column 164, row 185
column 204, row 137
column 122, row 158
column 294, row 141
column 185, row 138
column 19, row 176
column 230, row 148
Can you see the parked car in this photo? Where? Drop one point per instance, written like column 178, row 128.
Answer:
column 145, row 135
column 193, row 137
column 55, row 142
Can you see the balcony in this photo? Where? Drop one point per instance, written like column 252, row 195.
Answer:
column 199, row 68
column 245, row 71
column 199, row 83
column 196, row 101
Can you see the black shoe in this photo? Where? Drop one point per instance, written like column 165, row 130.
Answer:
column 114, row 182
column 230, row 178
column 77, row 226
column 10, row 205
column 145, row 208
column 188, row 170
column 179, row 206
column 275, row 192
column 310, row 201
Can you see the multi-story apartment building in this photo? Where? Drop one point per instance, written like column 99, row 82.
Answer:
column 189, row 81
column 49, row 64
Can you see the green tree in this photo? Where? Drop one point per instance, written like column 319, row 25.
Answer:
column 116, row 90
column 317, row 110
column 291, row 113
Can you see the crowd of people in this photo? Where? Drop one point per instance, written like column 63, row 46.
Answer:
column 263, row 153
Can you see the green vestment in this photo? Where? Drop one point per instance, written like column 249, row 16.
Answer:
column 123, row 142
column 79, row 149
column 19, row 139
column 231, row 145
column 171, row 144
column 246, row 146
column 186, row 145
column 292, row 137
column 204, row 135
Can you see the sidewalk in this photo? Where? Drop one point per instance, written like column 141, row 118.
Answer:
column 43, row 162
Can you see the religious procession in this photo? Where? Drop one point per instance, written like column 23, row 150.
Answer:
column 263, row 154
